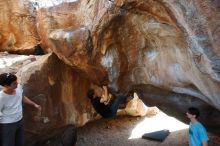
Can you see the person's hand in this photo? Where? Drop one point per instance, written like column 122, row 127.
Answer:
column 38, row 107
column 104, row 87
column 38, row 117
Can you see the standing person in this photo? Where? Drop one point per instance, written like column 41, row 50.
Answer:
column 197, row 132
column 106, row 110
column 11, row 126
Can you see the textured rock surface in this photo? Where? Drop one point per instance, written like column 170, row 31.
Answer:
column 12, row 63
column 136, row 107
column 17, row 26
column 59, row 89
column 171, row 45
column 163, row 43
column 61, row 93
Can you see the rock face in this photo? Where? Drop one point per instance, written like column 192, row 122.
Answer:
column 12, row 63
column 59, row 89
column 17, row 26
column 171, row 45
column 156, row 43
column 167, row 44
column 61, row 93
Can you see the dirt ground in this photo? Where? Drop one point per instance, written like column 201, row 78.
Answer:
column 116, row 132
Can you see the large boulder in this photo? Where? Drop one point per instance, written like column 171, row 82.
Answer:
column 61, row 91
column 166, row 44
column 169, row 45
column 136, row 42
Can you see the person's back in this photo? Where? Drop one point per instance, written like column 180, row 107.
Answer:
column 197, row 134
column 101, row 108
column 105, row 110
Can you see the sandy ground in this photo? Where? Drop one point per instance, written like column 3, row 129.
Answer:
column 117, row 132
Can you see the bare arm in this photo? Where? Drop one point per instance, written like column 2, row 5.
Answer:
column 105, row 92
column 1, row 107
column 30, row 102
column 105, row 96
column 204, row 143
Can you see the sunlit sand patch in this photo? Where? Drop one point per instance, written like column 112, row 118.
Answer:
column 158, row 122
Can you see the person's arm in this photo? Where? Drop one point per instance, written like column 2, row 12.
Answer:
column 104, row 97
column 203, row 136
column 105, row 91
column 204, row 143
column 1, row 107
column 30, row 102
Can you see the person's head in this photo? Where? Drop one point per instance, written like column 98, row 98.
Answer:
column 90, row 93
column 8, row 80
column 193, row 113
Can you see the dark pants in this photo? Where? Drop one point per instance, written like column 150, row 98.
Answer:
column 11, row 134
column 114, row 104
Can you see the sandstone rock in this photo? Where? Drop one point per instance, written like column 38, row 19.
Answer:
column 156, row 43
column 61, row 93
column 17, row 26
column 59, row 89
column 171, row 45
column 12, row 63
column 136, row 107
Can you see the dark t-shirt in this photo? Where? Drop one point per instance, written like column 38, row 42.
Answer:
column 101, row 108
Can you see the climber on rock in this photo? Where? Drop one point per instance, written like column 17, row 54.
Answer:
column 107, row 109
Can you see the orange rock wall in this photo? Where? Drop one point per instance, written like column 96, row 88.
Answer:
column 17, row 26
column 170, row 45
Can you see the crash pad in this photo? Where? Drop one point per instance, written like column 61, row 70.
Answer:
column 157, row 135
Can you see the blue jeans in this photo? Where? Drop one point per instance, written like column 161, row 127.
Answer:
column 115, row 103
column 11, row 134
